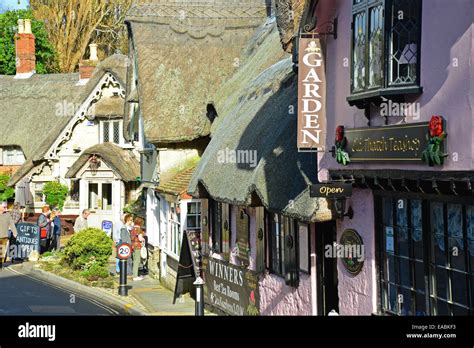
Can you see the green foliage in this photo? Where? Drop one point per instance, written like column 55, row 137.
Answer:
column 55, row 193
column 86, row 247
column 46, row 60
column 433, row 155
column 93, row 270
column 5, row 191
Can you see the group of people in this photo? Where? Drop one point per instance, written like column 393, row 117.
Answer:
column 132, row 232
column 49, row 223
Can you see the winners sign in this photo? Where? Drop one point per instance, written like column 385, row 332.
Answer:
column 311, row 96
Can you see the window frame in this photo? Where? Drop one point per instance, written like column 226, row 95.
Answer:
column 388, row 89
column 110, row 124
column 16, row 153
column 195, row 215
column 429, row 262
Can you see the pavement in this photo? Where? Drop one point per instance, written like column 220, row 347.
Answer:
column 155, row 298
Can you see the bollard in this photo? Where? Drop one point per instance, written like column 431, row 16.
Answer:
column 123, row 253
column 199, row 283
column 122, row 290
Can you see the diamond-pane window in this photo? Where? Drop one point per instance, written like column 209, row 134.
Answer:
column 116, row 132
column 106, row 131
column 385, row 45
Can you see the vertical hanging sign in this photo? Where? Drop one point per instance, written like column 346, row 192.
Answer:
column 311, row 96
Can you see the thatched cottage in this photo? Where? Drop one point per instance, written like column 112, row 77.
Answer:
column 50, row 131
column 181, row 54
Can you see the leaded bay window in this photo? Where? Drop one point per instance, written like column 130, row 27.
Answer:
column 385, row 48
column 426, row 253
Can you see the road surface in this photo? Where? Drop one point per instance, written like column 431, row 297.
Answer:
column 21, row 294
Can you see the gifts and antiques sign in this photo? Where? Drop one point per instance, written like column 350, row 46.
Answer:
column 311, row 96
column 230, row 288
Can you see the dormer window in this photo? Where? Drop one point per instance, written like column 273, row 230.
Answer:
column 111, row 132
column 385, row 51
column 11, row 156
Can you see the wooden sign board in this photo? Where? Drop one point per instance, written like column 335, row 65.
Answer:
column 27, row 239
column 331, row 190
column 189, row 265
column 404, row 142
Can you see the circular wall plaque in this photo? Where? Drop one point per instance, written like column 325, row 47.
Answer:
column 352, row 247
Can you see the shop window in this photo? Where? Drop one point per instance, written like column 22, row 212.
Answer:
column 426, row 256
column 303, row 249
column 175, row 230
column 193, row 218
column 283, row 244
column 216, row 225
column 276, row 244
column 385, row 47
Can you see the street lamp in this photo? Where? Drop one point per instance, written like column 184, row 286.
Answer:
column 340, row 207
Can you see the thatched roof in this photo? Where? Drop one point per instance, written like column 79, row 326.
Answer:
column 107, row 107
column 288, row 14
column 32, row 115
column 178, row 184
column 257, row 118
column 185, row 51
column 120, row 160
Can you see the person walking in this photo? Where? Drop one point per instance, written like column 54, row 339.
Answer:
column 125, row 237
column 44, row 224
column 17, row 214
column 56, row 229
column 6, row 225
column 137, row 241
column 116, row 237
column 81, row 221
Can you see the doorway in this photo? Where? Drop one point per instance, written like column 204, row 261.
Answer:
column 328, row 297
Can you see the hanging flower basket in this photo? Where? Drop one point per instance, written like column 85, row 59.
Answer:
column 341, row 155
column 433, row 154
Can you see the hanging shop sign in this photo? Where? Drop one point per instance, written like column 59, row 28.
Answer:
column 331, row 190
column 414, row 142
column 353, row 251
column 232, row 289
column 311, row 95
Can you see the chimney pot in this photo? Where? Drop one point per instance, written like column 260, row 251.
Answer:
column 93, row 52
column 21, row 26
column 27, row 23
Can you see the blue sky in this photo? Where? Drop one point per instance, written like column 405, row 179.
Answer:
column 12, row 5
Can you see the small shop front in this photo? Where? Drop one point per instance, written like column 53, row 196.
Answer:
column 417, row 226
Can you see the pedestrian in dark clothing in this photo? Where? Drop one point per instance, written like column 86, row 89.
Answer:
column 56, row 229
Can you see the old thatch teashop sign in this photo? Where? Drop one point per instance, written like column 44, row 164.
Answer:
column 405, row 142
column 232, row 289
column 311, row 95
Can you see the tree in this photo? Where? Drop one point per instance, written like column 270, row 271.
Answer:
column 5, row 191
column 55, row 194
column 72, row 25
column 45, row 54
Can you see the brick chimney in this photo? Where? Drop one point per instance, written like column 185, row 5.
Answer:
column 87, row 66
column 25, row 50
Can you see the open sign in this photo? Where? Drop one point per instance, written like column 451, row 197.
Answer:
column 124, row 251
